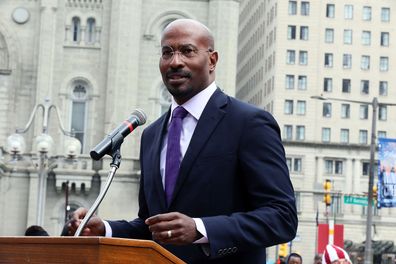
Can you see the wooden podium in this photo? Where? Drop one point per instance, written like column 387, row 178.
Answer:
column 82, row 250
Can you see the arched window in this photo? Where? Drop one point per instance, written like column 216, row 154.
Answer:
column 78, row 113
column 91, row 30
column 76, row 29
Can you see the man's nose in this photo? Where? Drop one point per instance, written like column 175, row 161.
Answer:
column 177, row 59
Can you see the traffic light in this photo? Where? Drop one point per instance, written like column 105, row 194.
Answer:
column 375, row 193
column 327, row 195
column 283, row 250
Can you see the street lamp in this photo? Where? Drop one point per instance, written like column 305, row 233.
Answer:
column 44, row 144
column 368, row 253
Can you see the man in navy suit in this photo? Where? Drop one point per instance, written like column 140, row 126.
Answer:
column 232, row 197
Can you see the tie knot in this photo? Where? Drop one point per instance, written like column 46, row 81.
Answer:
column 179, row 112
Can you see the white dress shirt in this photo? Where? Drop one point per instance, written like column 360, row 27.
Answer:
column 194, row 107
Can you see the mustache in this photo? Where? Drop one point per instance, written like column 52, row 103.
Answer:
column 178, row 72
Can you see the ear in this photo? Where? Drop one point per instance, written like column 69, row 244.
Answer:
column 213, row 58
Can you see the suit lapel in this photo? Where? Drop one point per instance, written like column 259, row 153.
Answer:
column 208, row 121
column 157, row 154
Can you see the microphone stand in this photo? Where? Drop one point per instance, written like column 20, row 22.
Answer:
column 114, row 165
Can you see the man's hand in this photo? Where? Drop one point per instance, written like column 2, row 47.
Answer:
column 173, row 228
column 94, row 227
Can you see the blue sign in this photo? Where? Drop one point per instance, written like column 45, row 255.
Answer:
column 386, row 173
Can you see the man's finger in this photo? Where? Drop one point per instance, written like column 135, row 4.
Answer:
column 160, row 218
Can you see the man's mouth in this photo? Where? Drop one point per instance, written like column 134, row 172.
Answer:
column 178, row 75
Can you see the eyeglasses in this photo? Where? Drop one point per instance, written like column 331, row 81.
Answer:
column 185, row 52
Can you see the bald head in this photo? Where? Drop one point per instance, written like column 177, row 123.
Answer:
column 188, row 59
column 192, row 26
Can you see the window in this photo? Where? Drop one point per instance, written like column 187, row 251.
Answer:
column 291, row 32
column 326, row 109
column 344, row 135
column 300, row 132
column 363, row 112
column 365, row 168
column 384, row 63
column 347, row 36
column 383, row 88
column 330, row 10
column 297, row 165
column 345, row 110
column 303, row 57
column 385, row 39
column 348, row 11
column 294, row 164
column 297, row 197
column 366, row 13
column 329, row 166
column 327, row 84
column 289, row 81
column 366, row 38
column 329, row 35
column 381, row 134
column 300, row 107
column 291, row 57
column 385, row 14
column 78, row 113
column 336, row 204
column 346, row 85
column 288, row 132
column 363, row 137
column 304, row 8
column 382, row 112
column 292, row 7
column 90, row 37
column 338, row 167
column 347, row 61
column 326, row 131
column 333, row 166
column 365, row 63
column 302, row 82
column 328, row 60
column 364, row 86
column 288, row 107
column 304, row 32
column 76, row 29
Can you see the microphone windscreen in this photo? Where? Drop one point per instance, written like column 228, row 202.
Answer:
column 140, row 115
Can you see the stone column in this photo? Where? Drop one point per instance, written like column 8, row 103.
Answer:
column 14, row 201
column 46, row 50
column 122, row 90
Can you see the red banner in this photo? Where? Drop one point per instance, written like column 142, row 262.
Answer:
column 323, row 236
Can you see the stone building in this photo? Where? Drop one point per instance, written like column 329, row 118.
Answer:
column 96, row 61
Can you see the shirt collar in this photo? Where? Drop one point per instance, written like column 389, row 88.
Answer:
column 196, row 104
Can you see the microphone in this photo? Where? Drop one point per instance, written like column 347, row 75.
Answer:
column 115, row 139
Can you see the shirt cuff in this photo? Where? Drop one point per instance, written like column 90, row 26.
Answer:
column 201, row 229
column 108, row 230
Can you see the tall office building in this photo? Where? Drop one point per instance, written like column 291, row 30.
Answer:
column 289, row 51
column 96, row 61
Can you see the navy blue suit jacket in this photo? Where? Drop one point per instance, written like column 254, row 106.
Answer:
column 233, row 176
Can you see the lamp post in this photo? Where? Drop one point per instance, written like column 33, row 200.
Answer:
column 44, row 144
column 67, row 206
column 368, row 252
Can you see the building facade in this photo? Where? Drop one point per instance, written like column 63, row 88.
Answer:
column 96, row 61
column 289, row 51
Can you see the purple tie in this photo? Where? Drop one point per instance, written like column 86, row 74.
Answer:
column 173, row 152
